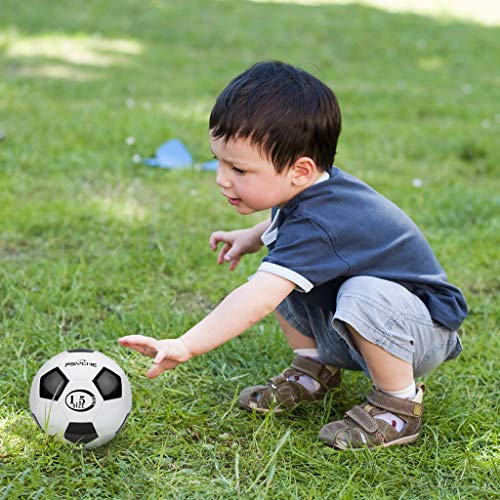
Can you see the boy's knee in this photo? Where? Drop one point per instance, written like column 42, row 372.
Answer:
column 389, row 316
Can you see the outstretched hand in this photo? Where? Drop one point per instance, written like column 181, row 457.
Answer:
column 166, row 354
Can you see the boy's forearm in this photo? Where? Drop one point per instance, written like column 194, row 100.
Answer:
column 241, row 309
column 261, row 227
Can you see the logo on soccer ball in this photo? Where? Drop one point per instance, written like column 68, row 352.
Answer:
column 80, row 362
column 80, row 400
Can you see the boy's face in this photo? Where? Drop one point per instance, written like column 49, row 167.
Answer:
column 247, row 179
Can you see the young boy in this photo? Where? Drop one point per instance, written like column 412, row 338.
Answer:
column 352, row 281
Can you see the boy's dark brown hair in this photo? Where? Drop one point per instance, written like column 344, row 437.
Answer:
column 283, row 110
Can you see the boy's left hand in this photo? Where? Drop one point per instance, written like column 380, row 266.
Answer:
column 167, row 353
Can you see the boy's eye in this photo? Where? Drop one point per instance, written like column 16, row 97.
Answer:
column 237, row 170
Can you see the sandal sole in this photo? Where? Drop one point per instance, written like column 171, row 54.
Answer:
column 263, row 410
column 400, row 441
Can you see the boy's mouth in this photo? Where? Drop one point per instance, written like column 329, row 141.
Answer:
column 233, row 201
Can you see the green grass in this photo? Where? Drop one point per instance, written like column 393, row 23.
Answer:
column 94, row 246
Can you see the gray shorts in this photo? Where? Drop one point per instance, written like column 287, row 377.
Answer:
column 384, row 313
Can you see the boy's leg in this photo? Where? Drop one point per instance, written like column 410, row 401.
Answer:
column 310, row 327
column 387, row 372
column 391, row 333
column 308, row 378
column 295, row 339
column 303, row 346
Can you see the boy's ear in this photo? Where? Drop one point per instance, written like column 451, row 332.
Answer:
column 303, row 171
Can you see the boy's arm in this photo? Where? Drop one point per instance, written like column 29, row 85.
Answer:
column 242, row 308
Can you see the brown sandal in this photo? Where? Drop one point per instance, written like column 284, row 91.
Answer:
column 283, row 391
column 360, row 426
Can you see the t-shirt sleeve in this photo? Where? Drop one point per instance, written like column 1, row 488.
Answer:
column 304, row 253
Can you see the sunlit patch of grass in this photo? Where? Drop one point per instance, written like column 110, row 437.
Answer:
column 78, row 49
column 431, row 63
column 76, row 58
column 58, row 72
column 483, row 11
column 125, row 210
column 11, row 440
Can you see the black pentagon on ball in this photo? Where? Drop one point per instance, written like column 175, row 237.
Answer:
column 108, row 384
column 52, row 384
column 80, row 432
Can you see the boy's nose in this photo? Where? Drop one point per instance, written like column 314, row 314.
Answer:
column 220, row 179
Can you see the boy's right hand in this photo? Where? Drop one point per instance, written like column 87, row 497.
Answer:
column 166, row 354
column 236, row 244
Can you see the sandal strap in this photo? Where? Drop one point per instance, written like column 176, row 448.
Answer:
column 325, row 375
column 395, row 405
column 288, row 393
column 278, row 380
column 363, row 419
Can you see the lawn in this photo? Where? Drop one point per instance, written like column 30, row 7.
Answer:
column 94, row 245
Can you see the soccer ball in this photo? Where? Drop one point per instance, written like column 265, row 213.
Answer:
column 82, row 396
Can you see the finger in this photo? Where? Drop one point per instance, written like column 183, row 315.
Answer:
column 215, row 238
column 129, row 340
column 143, row 349
column 234, row 263
column 154, row 371
column 161, row 355
column 147, row 351
column 158, row 369
column 222, row 255
column 140, row 343
column 234, row 253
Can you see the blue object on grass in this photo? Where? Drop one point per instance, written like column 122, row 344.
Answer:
column 171, row 155
column 210, row 165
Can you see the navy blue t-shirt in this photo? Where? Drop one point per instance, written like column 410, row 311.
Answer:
column 339, row 228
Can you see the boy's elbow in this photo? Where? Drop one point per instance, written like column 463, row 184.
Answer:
column 268, row 291
column 268, row 307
